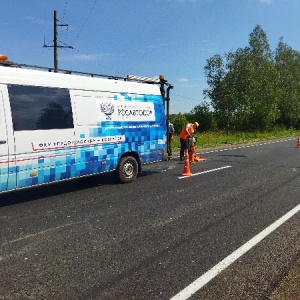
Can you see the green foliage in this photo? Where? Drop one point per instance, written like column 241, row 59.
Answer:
column 287, row 62
column 203, row 115
column 221, row 138
column 244, row 90
column 251, row 89
column 179, row 121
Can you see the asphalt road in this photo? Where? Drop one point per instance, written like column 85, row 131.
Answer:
column 96, row 239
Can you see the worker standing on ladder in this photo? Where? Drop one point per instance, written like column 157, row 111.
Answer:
column 185, row 135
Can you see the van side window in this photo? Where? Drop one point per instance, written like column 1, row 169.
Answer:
column 35, row 107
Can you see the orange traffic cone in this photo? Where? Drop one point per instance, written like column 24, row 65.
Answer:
column 199, row 158
column 298, row 143
column 186, row 169
column 193, row 157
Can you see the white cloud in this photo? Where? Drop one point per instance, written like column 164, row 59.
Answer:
column 36, row 20
column 82, row 57
column 183, row 79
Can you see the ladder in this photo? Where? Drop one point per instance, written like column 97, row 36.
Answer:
column 156, row 79
column 141, row 79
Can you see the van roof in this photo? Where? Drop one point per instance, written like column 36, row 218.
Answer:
column 11, row 73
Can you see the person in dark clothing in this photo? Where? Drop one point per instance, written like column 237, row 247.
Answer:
column 184, row 136
column 171, row 135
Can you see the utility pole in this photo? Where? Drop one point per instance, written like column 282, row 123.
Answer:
column 55, row 42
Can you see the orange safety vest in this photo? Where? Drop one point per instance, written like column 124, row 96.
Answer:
column 188, row 130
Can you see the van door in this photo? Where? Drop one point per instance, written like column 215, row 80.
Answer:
column 4, row 161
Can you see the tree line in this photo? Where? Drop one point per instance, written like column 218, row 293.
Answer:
column 250, row 89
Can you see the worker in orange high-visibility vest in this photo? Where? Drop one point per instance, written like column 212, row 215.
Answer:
column 184, row 136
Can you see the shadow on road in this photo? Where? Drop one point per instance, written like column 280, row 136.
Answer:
column 63, row 187
column 56, row 188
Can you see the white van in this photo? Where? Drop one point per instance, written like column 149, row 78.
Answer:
column 57, row 126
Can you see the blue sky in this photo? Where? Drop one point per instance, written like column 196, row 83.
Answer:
column 144, row 37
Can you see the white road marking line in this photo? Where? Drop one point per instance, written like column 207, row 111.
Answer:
column 40, row 232
column 247, row 146
column 217, row 269
column 208, row 171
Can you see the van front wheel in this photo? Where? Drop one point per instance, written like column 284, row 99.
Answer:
column 127, row 170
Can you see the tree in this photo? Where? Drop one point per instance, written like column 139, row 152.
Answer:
column 287, row 62
column 215, row 73
column 179, row 121
column 244, row 90
column 264, row 82
column 203, row 115
column 259, row 45
column 237, row 83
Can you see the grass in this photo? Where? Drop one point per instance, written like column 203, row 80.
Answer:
column 217, row 139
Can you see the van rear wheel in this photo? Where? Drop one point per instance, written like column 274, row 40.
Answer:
column 127, row 169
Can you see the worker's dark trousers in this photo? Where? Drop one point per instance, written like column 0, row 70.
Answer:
column 169, row 146
column 183, row 146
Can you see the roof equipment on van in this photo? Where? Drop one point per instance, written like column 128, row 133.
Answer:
column 154, row 80
column 26, row 66
column 143, row 79
column 3, row 57
column 4, row 61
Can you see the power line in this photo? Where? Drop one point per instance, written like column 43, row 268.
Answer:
column 185, row 97
column 44, row 22
column 85, row 21
column 63, row 18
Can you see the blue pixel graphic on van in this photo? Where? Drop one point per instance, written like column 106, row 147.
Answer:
column 146, row 138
